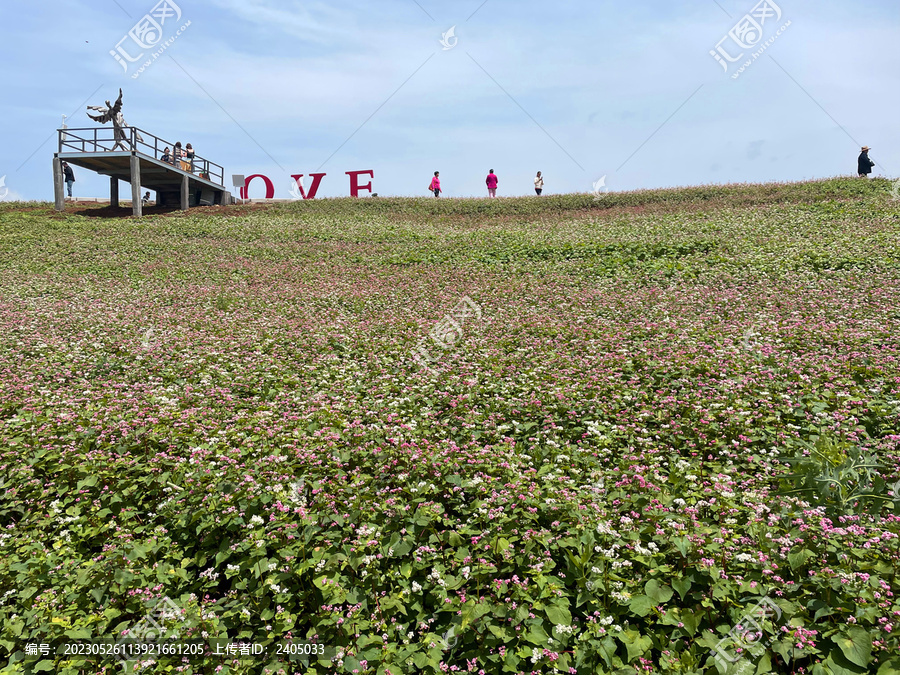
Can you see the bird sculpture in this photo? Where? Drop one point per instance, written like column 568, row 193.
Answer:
column 113, row 113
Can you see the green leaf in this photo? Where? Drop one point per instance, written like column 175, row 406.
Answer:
column 797, row 559
column 658, row 592
column 764, row 665
column 537, row 636
column 890, row 667
column 559, row 615
column 499, row 631
column 682, row 585
column 641, row 605
column 856, row 645
column 81, row 633
column 45, row 664
column 635, row 643
column 838, row 664
column 521, row 614
column 682, row 544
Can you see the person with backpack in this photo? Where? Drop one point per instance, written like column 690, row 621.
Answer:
column 492, row 182
column 435, row 186
column 864, row 163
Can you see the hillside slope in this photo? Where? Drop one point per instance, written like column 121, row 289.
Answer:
column 584, row 434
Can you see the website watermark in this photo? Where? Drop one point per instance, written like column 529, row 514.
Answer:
column 296, row 189
column 747, row 34
column 734, row 654
column 147, row 34
column 4, row 191
column 148, row 629
column 447, row 332
column 895, row 190
column 147, row 338
column 598, row 188
column 449, row 40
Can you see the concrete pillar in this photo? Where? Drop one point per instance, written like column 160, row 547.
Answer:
column 114, row 192
column 136, row 209
column 59, row 194
column 185, row 197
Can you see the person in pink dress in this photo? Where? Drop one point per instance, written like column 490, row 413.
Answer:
column 492, row 183
column 435, row 186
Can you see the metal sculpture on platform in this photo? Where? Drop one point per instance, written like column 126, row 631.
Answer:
column 113, row 113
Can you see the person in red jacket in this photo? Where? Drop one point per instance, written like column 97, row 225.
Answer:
column 435, row 186
column 491, row 182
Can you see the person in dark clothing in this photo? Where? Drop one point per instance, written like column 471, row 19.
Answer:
column 865, row 164
column 69, row 176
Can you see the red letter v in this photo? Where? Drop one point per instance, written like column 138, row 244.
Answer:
column 313, row 189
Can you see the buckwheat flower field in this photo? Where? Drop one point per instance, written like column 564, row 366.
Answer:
column 651, row 432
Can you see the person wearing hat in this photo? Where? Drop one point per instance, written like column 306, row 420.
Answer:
column 865, row 164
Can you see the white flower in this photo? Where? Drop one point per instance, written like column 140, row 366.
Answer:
column 256, row 520
column 416, row 587
column 603, row 527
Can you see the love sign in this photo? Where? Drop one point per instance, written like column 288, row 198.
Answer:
column 297, row 186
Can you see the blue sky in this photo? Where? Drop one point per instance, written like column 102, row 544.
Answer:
column 578, row 90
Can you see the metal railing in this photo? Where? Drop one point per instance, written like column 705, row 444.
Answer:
column 103, row 139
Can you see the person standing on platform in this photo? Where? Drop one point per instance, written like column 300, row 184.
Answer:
column 177, row 154
column 189, row 157
column 492, row 182
column 69, row 177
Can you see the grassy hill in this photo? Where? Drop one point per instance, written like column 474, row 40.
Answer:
column 653, row 431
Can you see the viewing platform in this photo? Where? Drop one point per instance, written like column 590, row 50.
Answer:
column 137, row 159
